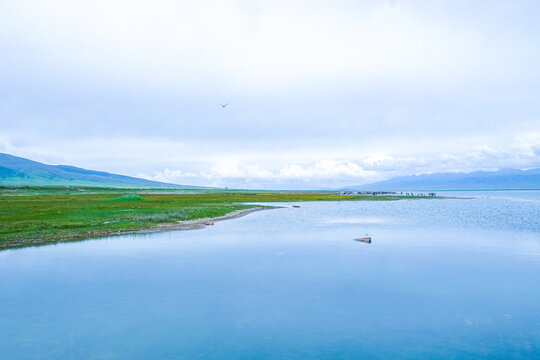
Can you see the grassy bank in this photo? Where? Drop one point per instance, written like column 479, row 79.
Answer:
column 35, row 216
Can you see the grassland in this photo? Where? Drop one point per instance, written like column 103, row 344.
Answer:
column 32, row 216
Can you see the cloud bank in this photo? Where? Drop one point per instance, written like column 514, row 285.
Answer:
column 320, row 93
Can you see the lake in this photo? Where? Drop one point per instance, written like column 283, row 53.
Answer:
column 442, row 278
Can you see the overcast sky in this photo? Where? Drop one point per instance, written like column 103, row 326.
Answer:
column 319, row 93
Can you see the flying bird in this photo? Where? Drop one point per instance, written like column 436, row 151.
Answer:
column 224, row 105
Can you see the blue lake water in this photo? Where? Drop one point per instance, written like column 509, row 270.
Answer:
column 443, row 278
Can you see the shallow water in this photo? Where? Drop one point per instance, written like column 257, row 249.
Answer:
column 443, row 278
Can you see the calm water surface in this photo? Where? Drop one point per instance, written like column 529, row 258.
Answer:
column 452, row 278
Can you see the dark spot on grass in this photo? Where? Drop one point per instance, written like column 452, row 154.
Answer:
column 128, row 197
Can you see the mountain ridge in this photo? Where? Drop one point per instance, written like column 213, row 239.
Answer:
column 19, row 171
column 477, row 180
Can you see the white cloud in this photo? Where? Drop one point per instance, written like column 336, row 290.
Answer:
column 248, row 43
column 9, row 146
column 321, row 93
column 5, row 144
column 336, row 173
column 324, row 169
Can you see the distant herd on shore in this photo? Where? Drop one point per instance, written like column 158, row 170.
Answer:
column 378, row 193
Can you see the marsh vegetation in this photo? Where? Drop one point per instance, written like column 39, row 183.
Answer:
column 42, row 215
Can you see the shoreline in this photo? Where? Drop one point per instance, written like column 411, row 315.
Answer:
column 203, row 222
column 178, row 226
column 54, row 216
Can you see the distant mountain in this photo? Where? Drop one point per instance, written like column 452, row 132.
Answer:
column 18, row 171
column 478, row 180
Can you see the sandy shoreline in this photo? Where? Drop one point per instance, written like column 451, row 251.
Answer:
column 202, row 223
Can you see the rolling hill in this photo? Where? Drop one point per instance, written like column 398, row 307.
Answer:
column 478, row 180
column 18, row 171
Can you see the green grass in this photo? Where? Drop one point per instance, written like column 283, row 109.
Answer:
column 35, row 215
column 127, row 197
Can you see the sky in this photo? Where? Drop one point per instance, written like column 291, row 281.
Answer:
column 320, row 94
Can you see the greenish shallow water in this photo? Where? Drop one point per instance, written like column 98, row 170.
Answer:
column 448, row 278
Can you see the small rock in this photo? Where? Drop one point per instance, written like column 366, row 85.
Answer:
column 209, row 222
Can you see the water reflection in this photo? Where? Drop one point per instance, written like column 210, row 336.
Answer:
column 442, row 279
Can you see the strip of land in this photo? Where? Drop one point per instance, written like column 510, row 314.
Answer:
column 31, row 216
